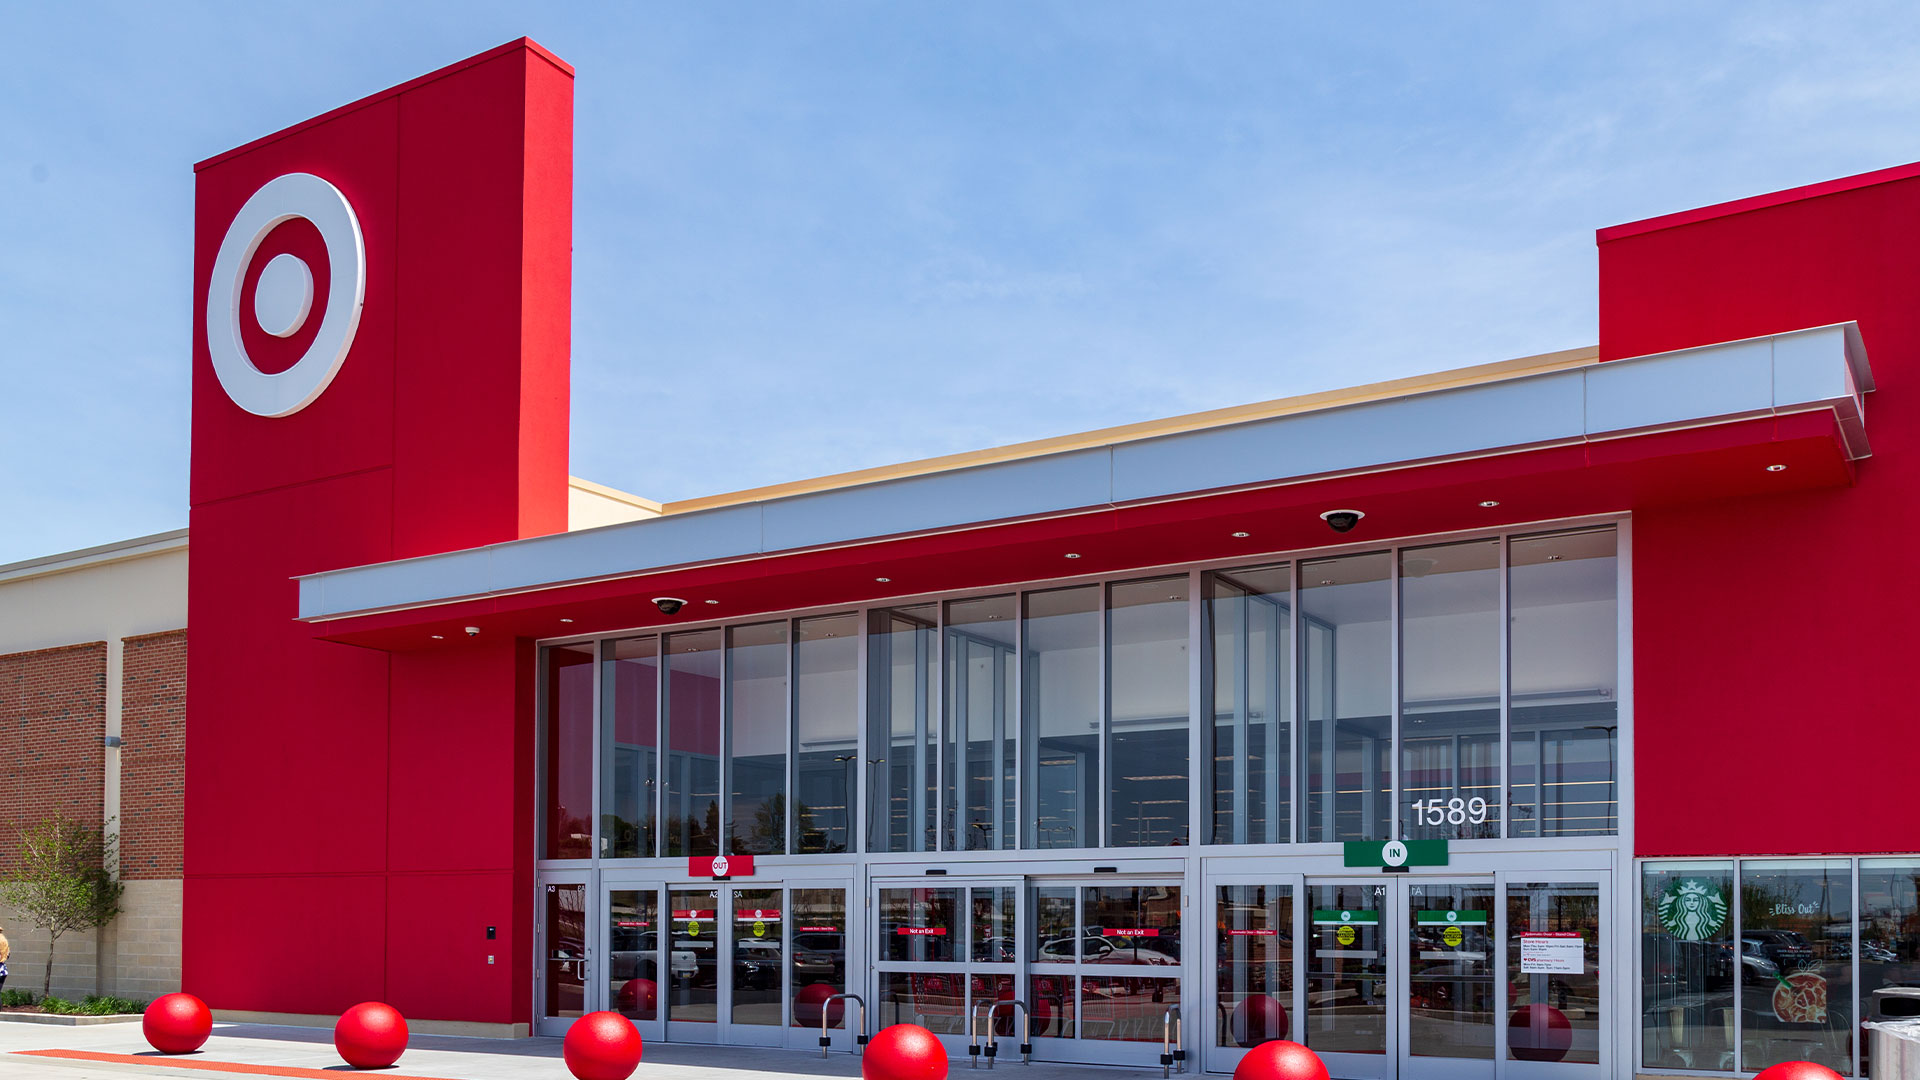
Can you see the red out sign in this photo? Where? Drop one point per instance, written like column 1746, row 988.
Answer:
column 720, row 866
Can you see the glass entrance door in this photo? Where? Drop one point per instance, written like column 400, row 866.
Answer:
column 563, row 943
column 1104, row 969
column 744, row 964
column 635, row 976
column 1447, row 1024
column 1450, row 978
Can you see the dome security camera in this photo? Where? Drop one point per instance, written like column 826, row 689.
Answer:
column 669, row 605
column 1342, row 521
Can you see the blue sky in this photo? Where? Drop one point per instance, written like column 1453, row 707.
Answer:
column 821, row 236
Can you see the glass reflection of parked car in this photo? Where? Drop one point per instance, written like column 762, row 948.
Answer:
column 632, row 953
column 1787, row 949
column 820, row 957
column 756, row 964
column 1104, row 950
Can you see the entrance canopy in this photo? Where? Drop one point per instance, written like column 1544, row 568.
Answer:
column 1486, row 449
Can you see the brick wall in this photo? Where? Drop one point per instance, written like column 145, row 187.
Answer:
column 153, row 754
column 53, row 716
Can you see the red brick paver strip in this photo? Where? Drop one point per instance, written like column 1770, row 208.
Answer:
column 173, row 1061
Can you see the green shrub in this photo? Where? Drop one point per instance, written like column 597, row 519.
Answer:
column 12, row 998
column 96, row 1005
column 58, row 1006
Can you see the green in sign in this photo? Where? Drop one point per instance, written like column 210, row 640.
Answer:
column 1451, row 918
column 1396, row 853
column 1324, row 917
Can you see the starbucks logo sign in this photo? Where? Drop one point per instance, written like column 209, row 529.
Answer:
column 1692, row 910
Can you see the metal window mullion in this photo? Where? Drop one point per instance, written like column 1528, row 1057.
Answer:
column 658, row 797
column 1296, row 722
column 594, row 757
column 960, row 697
column 1506, row 688
column 1854, row 911
column 937, row 673
column 1242, row 723
column 858, row 839
column 1199, row 737
column 1023, row 796
column 791, row 840
column 1397, row 651
column 1102, row 770
column 997, row 741
column 725, row 794
column 1739, row 1047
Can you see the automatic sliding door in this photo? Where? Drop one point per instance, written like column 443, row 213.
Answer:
column 1347, row 973
column 1254, row 995
column 1558, row 985
column 694, row 966
column 758, row 966
column 634, row 973
column 1451, row 1000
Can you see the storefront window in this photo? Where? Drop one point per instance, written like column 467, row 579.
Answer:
column 757, row 739
column 1450, row 691
column 1346, row 608
column 1062, row 725
column 567, row 818
column 826, row 732
column 1147, row 711
column 983, row 724
column 1250, row 626
column 901, row 716
column 1687, row 965
column 992, row 924
column 1564, row 679
column 1889, row 936
column 629, row 734
column 1796, row 944
column 692, row 779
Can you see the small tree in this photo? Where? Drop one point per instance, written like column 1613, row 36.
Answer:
column 63, row 882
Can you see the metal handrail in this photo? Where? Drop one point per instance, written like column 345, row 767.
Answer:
column 1173, row 1038
column 826, row 1017
column 1026, row 1031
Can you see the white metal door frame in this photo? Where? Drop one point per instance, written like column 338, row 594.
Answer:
column 546, row 952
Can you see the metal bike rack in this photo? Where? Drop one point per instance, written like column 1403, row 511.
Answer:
column 1173, row 1041
column 826, row 1017
column 1026, row 1031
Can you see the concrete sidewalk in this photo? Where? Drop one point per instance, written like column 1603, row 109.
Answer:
column 444, row 1056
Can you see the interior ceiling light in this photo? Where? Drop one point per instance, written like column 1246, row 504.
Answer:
column 1489, row 503
column 1776, row 468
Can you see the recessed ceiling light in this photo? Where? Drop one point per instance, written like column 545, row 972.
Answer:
column 1073, row 554
column 1241, row 535
column 439, row 637
column 1489, row 503
column 713, row 601
column 566, row 620
column 1555, row 558
column 883, row 580
column 1776, row 468
column 1326, row 581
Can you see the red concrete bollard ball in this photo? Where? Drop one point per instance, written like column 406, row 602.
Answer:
column 1258, row 1019
column 1797, row 1070
column 904, row 1052
column 1539, row 1033
column 177, row 1023
column 1280, row 1060
column 371, row 1035
column 602, row 1046
column 810, row 1004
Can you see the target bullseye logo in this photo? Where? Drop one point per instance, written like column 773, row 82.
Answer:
column 283, row 297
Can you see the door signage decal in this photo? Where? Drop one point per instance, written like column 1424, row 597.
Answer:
column 1557, row 953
